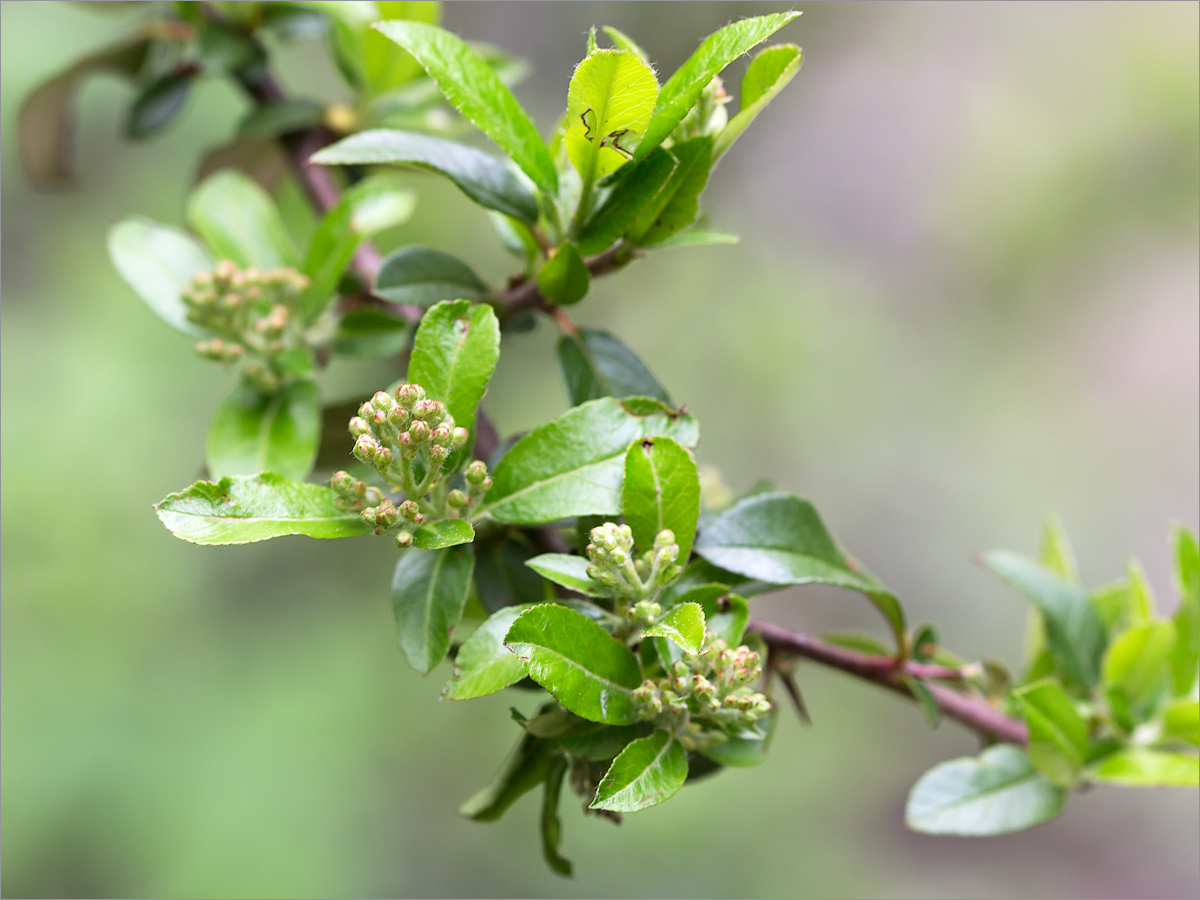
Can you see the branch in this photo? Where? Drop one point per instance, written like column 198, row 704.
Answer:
column 973, row 712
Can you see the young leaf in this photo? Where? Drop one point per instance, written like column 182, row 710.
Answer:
column 481, row 177
column 370, row 331
column 524, row 770
column 501, row 576
column 678, row 203
column 242, row 510
column 684, row 624
column 429, row 592
column 423, row 276
column 768, row 74
column 995, row 793
column 443, row 533
column 661, row 491
column 609, row 102
column 564, row 278
column 1058, row 735
column 634, row 192
column 568, row 571
column 718, row 50
column 595, row 363
column 574, row 465
column 1181, row 720
column 551, row 826
column 1143, row 767
column 454, row 354
column 779, row 538
column 158, row 263
column 257, row 432
column 1073, row 629
column 1187, row 617
column 483, row 664
column 588, row 671
column 1136, row 665
column 742, row 752
column 473, row 88
column 240, row 222
column 725, row 613
column 623, row 41
column 696, row 237
column 1055, row 552
column 647, row 772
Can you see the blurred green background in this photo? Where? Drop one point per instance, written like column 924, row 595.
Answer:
column 967, row 292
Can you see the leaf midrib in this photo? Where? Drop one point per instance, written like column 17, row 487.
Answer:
column 574, row 664
column 975, row 798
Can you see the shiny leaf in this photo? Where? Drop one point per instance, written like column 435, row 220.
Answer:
column 240, row 222
column 661, row 491
column 647, row 772
column 483, row 664
column 429, row 592
column 422, row 276
column 768, row 74
column 258, row 432
column 158, row 263
column 595, row 363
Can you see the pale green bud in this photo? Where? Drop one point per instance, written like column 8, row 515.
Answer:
column 364, row 448
column 342, row 482
column 438, row 453
column 459, row 437
column 456, row 499
column 382, row 401
column 408, row 394
column 409, row 509
column 418, row 432
column 404, row 539
column 476, row 472
column 359, row 426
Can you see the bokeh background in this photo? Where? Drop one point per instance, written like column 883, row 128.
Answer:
column 967, row 293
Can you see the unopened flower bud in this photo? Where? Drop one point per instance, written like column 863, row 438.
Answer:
column 370, row 515
column 476, row 472
column 458, row 437
column 342, row 482
column 359, row 426
column 382, row 401
column 408, row 394
column 428, row 410
column 438, row 453
column 664, row 538
column 367, row 411
column 404, row 539
column 383, row 457
column 365, row 447
column 418, row 432
column 388, row 515
column 440, row 435
column 398, row 416
column 456, row 499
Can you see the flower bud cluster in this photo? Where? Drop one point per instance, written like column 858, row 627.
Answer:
column 353, row 495
column 614, row 564
column 253, row 313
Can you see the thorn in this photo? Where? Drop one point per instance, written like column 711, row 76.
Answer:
column 793, row 692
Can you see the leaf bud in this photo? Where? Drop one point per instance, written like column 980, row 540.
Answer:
column 404, row 539
column 418, row 432
column 382, row 401
column 408, row 394
column 476, row 472
column 456, row 499
column 359, row 426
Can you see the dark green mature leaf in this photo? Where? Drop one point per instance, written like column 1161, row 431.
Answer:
column 1187, row 617
column 568, row 571
column 551, row 826
column 564, row 278
column 598, row 742
column 481, row 177
column 423, row 276
column 725, row 613
column 1137, row 665
column 995, row 793
column 157, row 104
column 1143, row 767
column 454, row 354
column 256, row 432
column 768, row 74
column 429, row 592
column 158, row 262
column 587, row 670
column 743, row 752
column 483, row 664
column 647, row 772
column 371, row 331
column 574, row 465
column 718, row 50
column 661, row 491
column 1073, row 629
column 240, row 222
column 609, row 103
column 443, row 533
column 779, row 538
column 473, row 88
column 678, row 203
column 242, row 510
column 524, row 770
column 1058, row 735
column 501, row 576
column 634, row 192
column 594, row 363
column 683, row 624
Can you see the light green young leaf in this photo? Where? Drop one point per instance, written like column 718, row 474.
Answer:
column 635, row 190
column 443, row 533
column 768, row 74
column 684, row 624
column 594, row 363
column 1186, row 654
column 473, row 88
column 454, row 354
column 574, row 465
column 587, row 670
column 524, row 770
column 1181, row 720
column 609, row 102
column 647, row 772
column 661, row 491
column 678, row 203
column 1136, row 665
column 564, row 278
column 1058, row 735
column 1055, row 552
column 1141, row 595
column 429, row 592
column 382, row 64
column 483, row 664
column 1143, row 767
column 568, row 571
column 995, row 793
column 481, row 177
column 255, row 432
column 240, row 222
column 779, row 538
column 158, row 263
column 725, row 613
column 623, row 41
column 696, row 237
column 242, row 510
column 718, row 50
column 422, row 276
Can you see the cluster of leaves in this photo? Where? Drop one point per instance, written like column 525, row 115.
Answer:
column 596, row 561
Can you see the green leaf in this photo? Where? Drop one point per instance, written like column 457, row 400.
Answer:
column 524, row 770
column 158, row 263
column 483, row 664
column 678, row 203
column 924, row 699
column 1142, row 767
column 568, row 571
column 696, row 237
column 242, row 510
column 684, row 624
column 647, row 772
column 1181, row 720
column 551, row 825
column 597, row 742
column 481, row 177
column 240, row 222
column 1136, row 665
column 995, row 793
column 369, row 60
column 256, row 432
column 454, row 354
column 725, row 613
column 587, row 670
column 768, row 74
column 595, row 363
column 271, row 120
column 443, row 533
column 371, row 331
column 501, row 576
column 429, row 592
column 742, row 752
column 609, row 103
column 423, row 276
column 718, row 50
column 157, row 104
column 1058, row 735
column 574, row 465
column 779, row 538
column 473, row 88
column 1141, row 595
column 1055, row 552
column 1073, row 629
column 623, row 41
column 1187, row 617
column 661, row 491
column 564, row 278
column 636, row 189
